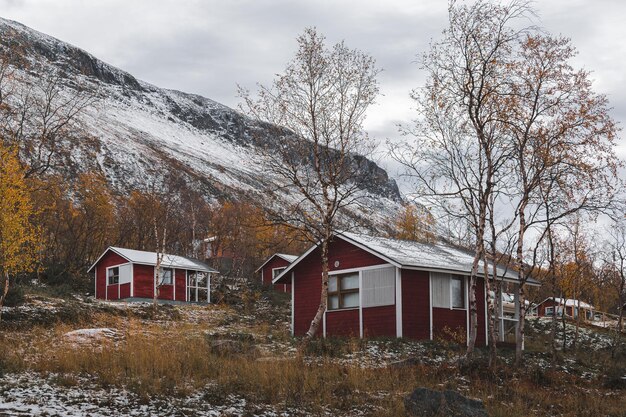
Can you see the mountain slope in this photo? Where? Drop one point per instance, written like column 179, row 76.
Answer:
column 137, row 133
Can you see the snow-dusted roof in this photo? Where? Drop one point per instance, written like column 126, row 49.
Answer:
column 288, row 258
column 409, row 254
column 435, row 256
column 150, row 258
column 284, row 256
column 569, row 302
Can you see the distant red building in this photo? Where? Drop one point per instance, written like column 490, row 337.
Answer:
column 391, row 288
column 130, row 274
column 274, row 266
column 550, row 305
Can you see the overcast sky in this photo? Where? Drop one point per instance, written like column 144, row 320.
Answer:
column 208, row 47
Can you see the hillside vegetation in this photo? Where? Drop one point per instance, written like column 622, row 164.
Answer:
column 238, row 359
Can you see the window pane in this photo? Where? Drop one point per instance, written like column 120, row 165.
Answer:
column 350, row 300
column 349, row 282
column 458, row 296
column 440, row 289
column 332, row 283
column 201, row 279
column 276, row 272
column 167, row 276
column 333, row 302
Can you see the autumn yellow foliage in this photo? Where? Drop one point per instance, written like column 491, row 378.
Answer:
column 414, row 223
column 18, row 237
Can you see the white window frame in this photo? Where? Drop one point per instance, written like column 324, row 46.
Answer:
column 464, row 288
column 350, row 291
column 163, row 282
column 196, row 287
column 549, row 311
column 109, row 278
column 279, row 269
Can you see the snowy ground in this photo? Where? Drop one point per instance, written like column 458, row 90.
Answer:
column 30, row 394
column 33, row 394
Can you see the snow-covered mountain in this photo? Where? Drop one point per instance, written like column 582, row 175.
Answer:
column 137, row 132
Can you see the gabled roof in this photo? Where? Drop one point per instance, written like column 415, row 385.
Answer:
column 284, row 256
column 569, row 302
column 150, row 258
column 417, row 255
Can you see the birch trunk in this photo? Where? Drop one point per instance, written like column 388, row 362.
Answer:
column 5, row 291
column 519, row 329
column 315, row 323
column 490, row 311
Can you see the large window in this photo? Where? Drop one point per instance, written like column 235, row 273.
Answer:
column 448, row 291
column 343, row 291
column 113, row 275
column 167, row 276
column 276, row 272
column 379, row 287
column 197, row 287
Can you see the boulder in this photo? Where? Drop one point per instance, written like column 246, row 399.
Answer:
column 424, row 402
column 91, row 336
column 232, row 347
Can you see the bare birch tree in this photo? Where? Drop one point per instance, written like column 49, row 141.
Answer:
column 461, row 151
column 320, row 101
column 562, row 134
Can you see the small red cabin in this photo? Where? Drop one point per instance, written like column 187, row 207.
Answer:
column 127, row 274
column 380, row 287
column 274, row 266
column 550, row 305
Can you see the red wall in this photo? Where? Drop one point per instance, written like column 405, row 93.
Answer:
column 125, row 290
column 415, row 304
column 342, row 323
column 166, row 292
column 308, row 283
column 266, row 273
column 109, row 259
column 143, row 281
column 181, row 284
column 379, row 321
column 446, row 321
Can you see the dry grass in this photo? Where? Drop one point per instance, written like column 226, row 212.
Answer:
column 176, row 358
column 153, row 360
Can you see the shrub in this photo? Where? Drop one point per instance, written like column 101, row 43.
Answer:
column 15, row 296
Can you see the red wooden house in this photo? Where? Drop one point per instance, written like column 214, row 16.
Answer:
column 274, row 266
column 547, row 308
column 127, row 274
column 390, row 288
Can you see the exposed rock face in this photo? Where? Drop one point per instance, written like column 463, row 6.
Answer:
column 138, row 133
column 424, row 402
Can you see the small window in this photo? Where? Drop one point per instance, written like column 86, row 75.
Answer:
column 167, row 276
column 549, row 311
column 458, row 294
column 343, row 291
column 448, row 291
column 113, row 275
column 276, row 272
